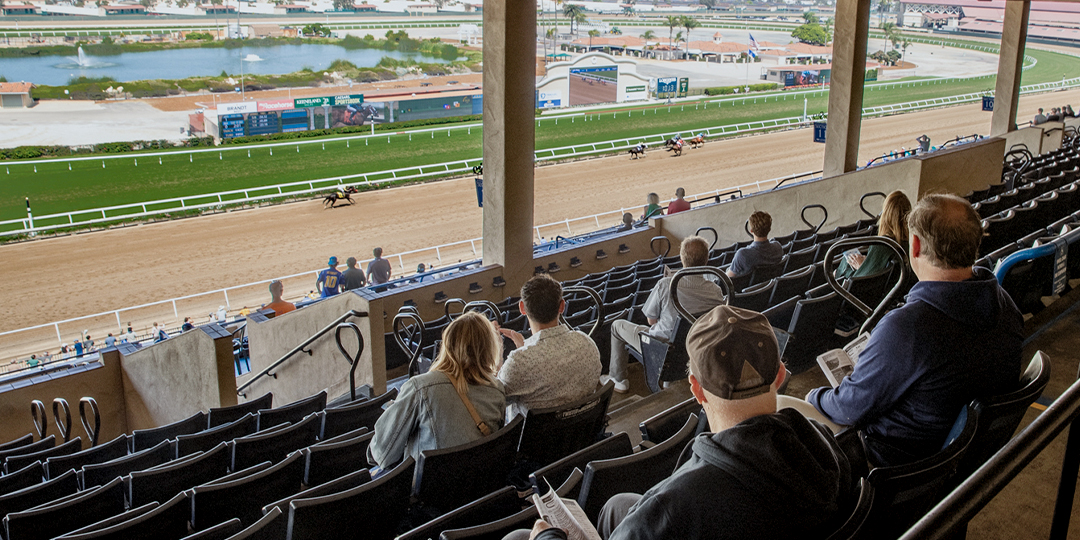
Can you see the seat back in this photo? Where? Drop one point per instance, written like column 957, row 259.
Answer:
column 113, row 520
column 383, row 503
column 792, row 284
column 39, row 494
column 98, row 474
column 551, row 434
column 221, row 531
column 293, row 412
column 665, row 361
column 47, row 522
column 492, row 507
column 162, row 483
column 852, row 527
column 754, row 297
column 272, row 526
column 17, row 442
column 30, row 475
column 450, row 477
column 273, row 447
column 557, row 473
column 353, row 416
column 228, row 415
column 337, row 485
column 524, row 519
column 116, row 448
column 635, row 473
column 206, row 440
column 326, row 461
column 244, row 497
column 168, row 521
column 43, row 444
column 663, row 425
column 141, row 439
column 811, row 330
column 14, row 463
column 766, row 272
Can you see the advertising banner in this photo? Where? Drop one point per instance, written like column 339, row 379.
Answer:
column 548, row 99
column 328, row 101
column 666, row 87
column 275, row 105
column 684, row 87
column 236, row 108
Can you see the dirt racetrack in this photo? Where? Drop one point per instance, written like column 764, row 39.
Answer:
column 62, row 278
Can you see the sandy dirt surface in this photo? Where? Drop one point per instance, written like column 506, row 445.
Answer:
column 102, row 271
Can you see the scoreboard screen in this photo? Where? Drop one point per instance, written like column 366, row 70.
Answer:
column 294, row 120
column 263, row 123
column 232, row 126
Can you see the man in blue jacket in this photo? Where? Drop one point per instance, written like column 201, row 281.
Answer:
column 958, row 337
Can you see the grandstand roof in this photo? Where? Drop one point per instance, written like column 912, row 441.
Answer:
column 1033, row 30
column 712, row 46
column 1067, row 13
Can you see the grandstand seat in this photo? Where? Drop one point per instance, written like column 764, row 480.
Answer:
column 1027, row 217
column 852, row 526
column 227, row 415
column 614, row 293
column 828, row 235
column 51, row 520
column 326, row 461
column 17, row 442
column 30, row 475
column 293, row 412
column 763, row 274
column 738, row 283
column 14, row 463
column 754, row 298
column 161, row 483
column 336, row 485
column 101, row 453
column 168, row 521
column 113, row 520
column 491, row 507
column 602, row 336
column 872, row 289
column 581, row 317
column 665, row 424
column 823, row 249
column 635, row 473
column 553, row 433
column 619, row 304
column 791, row 284
column 621, row 280
column 990, row 206
column 221, row 531
column 208, row 439
column 141, row 439
column 272, row 526
column 355, row 415
column 384, row 502
column 29, row 497
column 904, row 493
column 524, row 519
column 779, row 315
column 798, row 259
column 450, row 477
column 43, row 444
column 98, row 474
column 274, row 446
column 244, row 497
column 785, row 238
column 558, row 473
column 663, row 361
column 1028, row 279
column 811, row 329
column 802, row 243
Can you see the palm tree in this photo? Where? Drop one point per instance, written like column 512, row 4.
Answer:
column 593, row 33
column 549, row 35
column 827, row 25
column 904, row 45
column 555, row 38
column 672, row 22
column 649, row 34
column 689, row 23
column 572, row 11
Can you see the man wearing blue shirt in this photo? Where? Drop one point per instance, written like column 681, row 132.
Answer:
column 329, row 281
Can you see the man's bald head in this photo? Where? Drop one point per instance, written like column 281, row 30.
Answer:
column 949, row 229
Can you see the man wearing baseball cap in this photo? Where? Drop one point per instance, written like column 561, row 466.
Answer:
column 329, row 279
column 763, row 473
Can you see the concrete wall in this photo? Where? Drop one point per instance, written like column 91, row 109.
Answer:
column 325, row 369
column 1031, row 136
column 176, row 378
column 1053, row 134
column 962, row 169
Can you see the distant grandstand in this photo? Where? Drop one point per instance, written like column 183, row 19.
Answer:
column 1059, row 21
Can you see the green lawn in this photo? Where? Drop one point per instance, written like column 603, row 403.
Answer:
column 54, row 188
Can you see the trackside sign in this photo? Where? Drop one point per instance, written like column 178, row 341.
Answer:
column 328, row 101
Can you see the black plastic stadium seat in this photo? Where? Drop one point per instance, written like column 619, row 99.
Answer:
column 554, row 433
column 791, row 284
column 221, row 531
column 98, row 474
column 116, row 448
column 665, row 424
column 557, row 473
column 32, row 496
column 141, row 439
column 49, row 521
column 244, row 497
column 767, row 272
column 352, row 416
column 293, row 412
column 272, row 526
column 754, row 298
column 43, row 444
column 852, row 527
column 336, row 485
column 326, row 461
column 113, row 520
column 205, row 440
column 384, row 502
column 524, row 519
column 168, row 521
column 14, row 463
column 635, row 473
column 226, row 415
column 812, row 331
column 492, row 507
column 163, row 482
column 31, row 475
column 274, row 447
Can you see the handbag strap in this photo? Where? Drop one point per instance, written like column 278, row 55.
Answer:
column 480, row 424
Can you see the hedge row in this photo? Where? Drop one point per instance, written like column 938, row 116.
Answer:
column 34, row 152
column 725, row 90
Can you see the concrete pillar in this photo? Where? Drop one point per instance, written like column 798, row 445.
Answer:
column 1010, row 66
column 846, row 87
column 509, row 136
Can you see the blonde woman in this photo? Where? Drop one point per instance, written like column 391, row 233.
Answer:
column 652, row 207
column 891, row 223
column 431, row 412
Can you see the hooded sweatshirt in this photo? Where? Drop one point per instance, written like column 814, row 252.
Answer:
column 951, row 342
column 772, row 476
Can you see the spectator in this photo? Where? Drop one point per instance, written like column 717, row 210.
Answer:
column 129, row 337
column 244, row 312
column 379, row 269
column 556, row 365
column 958, row 337
column 459, row 400
column 1039, row 118
column 222, row 315
column 186, row 326
column 420, row 269
column 329, row 279
column 892, row 223
column 1068, row 112
column 159, row 333
column 696, row 294
column 110, row 340
column 65, row 351
column 679, row 204
column 627, row 222
column 78, row 347
column 33, row 361
column 279, row 306
column 760, row 253
column 652, row 207
column 352, row 277
column 761, row 473
column 46, row 356
column 1055, row 115
column 88, row 343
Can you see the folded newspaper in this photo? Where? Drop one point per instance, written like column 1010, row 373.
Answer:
column 565, row 514
column 839, row 363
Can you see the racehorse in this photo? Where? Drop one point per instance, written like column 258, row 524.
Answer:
column 331, row 200
column 638, row 150
column 676, row 147
column 670, row 143
column 697, row 141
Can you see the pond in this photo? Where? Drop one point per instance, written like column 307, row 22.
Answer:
column 194, row 62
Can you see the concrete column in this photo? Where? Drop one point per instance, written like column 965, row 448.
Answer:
column 509, row 136
column 846, row 87
column 1010, row 66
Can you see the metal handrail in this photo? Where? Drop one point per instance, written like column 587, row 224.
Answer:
column 409, row 328
column 724, row 283
column 863, row 200
column 716, row 198
column 969, row 498
column 660, row 240
column 63, row 425
column 715, row 235
column 596, row 300
column 815, row 228
column 93, row 430
column 795, row 177
column 353, row 360
column 872, row 316
column 299, row 348
column 41, row 418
